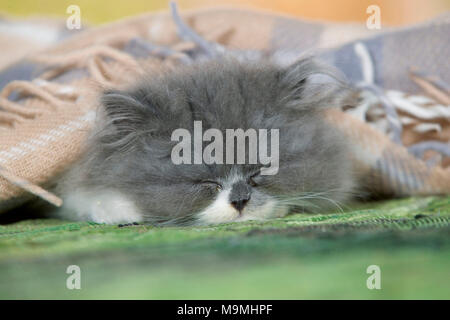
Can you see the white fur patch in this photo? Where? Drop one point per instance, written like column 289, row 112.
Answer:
column 104, row 206
column 219, row 211
column 268, row 211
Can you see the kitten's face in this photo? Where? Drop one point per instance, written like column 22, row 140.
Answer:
column 131, row 155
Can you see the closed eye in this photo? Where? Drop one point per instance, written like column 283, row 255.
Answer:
column 212, row 183
column 253, row 180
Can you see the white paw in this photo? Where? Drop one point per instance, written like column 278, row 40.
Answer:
column 103, row 206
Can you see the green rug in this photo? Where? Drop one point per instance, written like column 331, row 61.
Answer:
column 321, row 256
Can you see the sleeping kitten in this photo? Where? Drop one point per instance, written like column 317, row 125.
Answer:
column 127, row 172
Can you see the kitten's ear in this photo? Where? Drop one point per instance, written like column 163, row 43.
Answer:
column 124, row 111
column 308, row 84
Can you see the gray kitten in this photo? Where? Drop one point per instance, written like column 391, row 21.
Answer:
column 127, row 174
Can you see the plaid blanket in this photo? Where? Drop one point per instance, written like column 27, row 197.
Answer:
column 399, row 131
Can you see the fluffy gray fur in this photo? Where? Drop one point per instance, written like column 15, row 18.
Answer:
column 130, row 152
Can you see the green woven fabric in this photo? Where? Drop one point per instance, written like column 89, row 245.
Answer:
column 298, row 257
